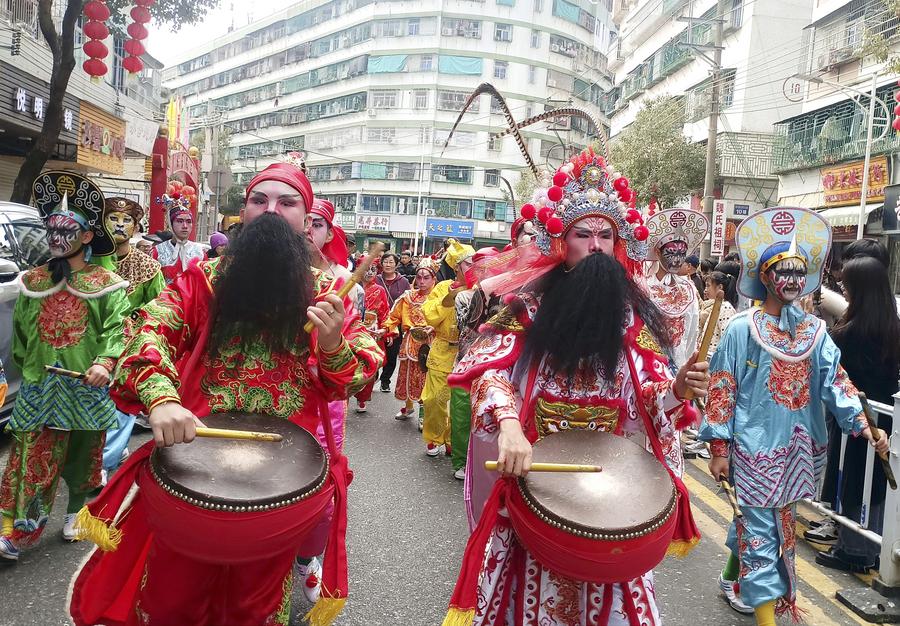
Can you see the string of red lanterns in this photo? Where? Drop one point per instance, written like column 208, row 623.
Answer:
column 96, row 31
column 137, row 30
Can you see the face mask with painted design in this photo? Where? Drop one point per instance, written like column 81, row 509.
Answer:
column 63, row 236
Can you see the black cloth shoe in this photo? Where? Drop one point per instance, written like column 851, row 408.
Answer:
column 835, row 560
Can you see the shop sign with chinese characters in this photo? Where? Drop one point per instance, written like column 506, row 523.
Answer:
column 102, row 144
column 25, row 102
column 374, row 223
column 461, row 229
column 719, row 224
column 843, row 183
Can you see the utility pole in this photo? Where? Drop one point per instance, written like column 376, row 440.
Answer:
column 709, row 180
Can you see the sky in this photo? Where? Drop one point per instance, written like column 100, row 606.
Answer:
column 171, row 47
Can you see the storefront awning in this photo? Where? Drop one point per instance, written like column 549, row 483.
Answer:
column 847, row 215
column 403, row 235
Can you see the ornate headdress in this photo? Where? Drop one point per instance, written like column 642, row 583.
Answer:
column 684, row 225
column 427, row 263
column 175, row 204
column 289, row 169
column 123, row 205
column 73, row 195
column 772, row 235
column 458, row 252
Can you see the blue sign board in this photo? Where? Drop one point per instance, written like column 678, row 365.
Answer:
column 742, row 209
column 440, row 228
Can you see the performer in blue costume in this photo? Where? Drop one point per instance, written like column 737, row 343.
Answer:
column 774, row 373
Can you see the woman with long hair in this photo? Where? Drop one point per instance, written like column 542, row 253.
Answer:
column 868, row 335
column 717, row 283
column 396, row 285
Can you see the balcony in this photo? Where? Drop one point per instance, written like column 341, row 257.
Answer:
column 830, row 135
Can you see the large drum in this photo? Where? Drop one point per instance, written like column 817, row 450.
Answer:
column 604, row 527
column 230, row 501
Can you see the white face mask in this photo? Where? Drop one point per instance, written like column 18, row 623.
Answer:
column 63, row 236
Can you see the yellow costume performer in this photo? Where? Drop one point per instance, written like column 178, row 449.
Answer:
column 440, row 313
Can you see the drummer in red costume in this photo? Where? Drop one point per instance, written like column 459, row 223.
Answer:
column 227, row 336
column 544, row 365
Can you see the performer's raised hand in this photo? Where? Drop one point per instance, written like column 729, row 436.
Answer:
column 693, row 375
column 327, row 315
column 172, row 423
column 515, row 451
column 96, row 376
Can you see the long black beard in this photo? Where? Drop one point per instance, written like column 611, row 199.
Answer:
column 263, row 289
column 582, row 315
column 59, row 266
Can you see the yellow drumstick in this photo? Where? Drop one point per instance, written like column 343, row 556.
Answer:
column 375, row 252
column 707, row 338
column 246, row 435
column 491, row 466
column 59, row 371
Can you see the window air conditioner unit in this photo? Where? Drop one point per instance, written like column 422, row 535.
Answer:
column 840, row 55
column 392, row 176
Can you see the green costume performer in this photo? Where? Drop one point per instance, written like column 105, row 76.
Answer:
column 69, row 314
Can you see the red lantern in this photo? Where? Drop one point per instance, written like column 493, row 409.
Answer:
column 144, row 3
column 528, row 211
column 96, row 30
column 96, row 10
column 896, row 124
column 137, row 31
column 95, row 49
column 133, row 65
column 134, row 48
column 141, row 15
column 95, row 68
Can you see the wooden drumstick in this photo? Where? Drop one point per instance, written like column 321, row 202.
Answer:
column 707, row 337
column 732, row 499
column 59, row 371
column 375, row 252
column 876, row 435
column 491, row 466
column 246, row 435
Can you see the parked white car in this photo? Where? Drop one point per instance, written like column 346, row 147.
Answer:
column 23, row 245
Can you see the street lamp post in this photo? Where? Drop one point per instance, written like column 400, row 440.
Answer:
column 870, row 123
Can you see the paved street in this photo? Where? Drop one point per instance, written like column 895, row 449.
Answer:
column 407, row 533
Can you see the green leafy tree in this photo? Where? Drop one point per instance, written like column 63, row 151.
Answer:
column 656, row 157
column 62, row 47
column 232, row 200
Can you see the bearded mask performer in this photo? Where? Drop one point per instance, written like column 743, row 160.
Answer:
column 176, row 254
column 145, row 282
column 773, row 374
column 674, row 235
column 580, row 348
column 227, row 335
column 69, row 314
column 407, row 318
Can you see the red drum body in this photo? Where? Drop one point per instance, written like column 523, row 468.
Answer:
column 232, row 501
column 604, row 527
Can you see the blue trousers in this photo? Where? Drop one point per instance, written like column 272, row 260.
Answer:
column 116, row 441
column 764, row 542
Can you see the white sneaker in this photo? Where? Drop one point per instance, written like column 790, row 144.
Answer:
column 361, row 407
column 8, row 550
column 310, row 576
column 732, row 593
column 69, row 532
column 433, row 449
column 460, row 474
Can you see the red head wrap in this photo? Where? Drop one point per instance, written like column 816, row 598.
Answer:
column 288, row 174
column 335, row 250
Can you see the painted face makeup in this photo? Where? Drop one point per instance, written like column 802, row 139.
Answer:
column 786, row 280
column 182, row 225
column 371, row 273
column 121, row 226
column 588, row 236
column 424, row 280
column 63, row 236
column 317, row 232
column 672, row 255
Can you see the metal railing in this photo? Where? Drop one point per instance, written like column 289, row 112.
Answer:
column 22, row 14
column 889, row 539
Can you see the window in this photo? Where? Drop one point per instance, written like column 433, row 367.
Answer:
column 495, row 144
column 460, row 138
column 452, row 174
column 381, row 135
column 426, row 63
column 31, row 237
column 502, row 32
column 495, row 106
column 563, row 46
column 737, row 14
column 535, row 39
column 470, row 29
column 532, row 74
column 538, row 6
column 500, row 69
column 454, row 101
column 412, row 26
column 420, row 99
column 492, row 178
column 384, row 99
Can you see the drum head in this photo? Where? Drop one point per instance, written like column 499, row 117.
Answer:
column 633, row 494
column 231, row 474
